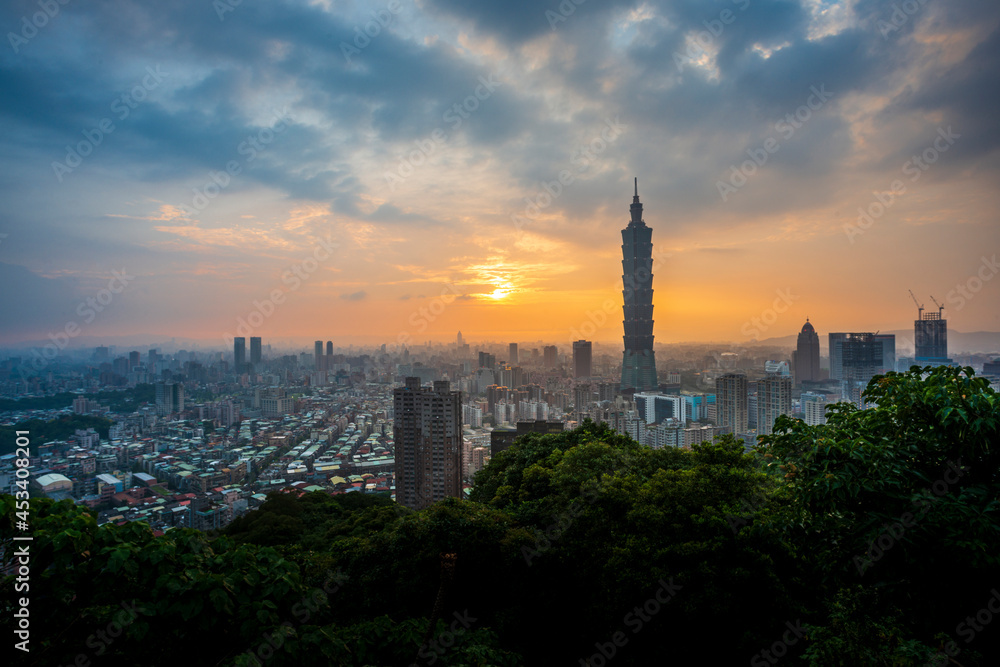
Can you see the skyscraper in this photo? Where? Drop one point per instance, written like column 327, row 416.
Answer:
column 807, row 355
column 731, row 402
column 861, row 360
column 169, row 398
column 638, row 363
column 239, row 353
column 512, row 354
column 774, row 398
column 255, row 351
column 930, row 337
column 582, row 358
column 318, row 353
column 329, row 348
column 550, row 356
column 866, row 349
column 427, row 428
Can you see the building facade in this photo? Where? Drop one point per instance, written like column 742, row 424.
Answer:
column 774, row 398
column 255, row 351
column 731, row 402
column 583, row 358
column 239, row 354
column 427, row 427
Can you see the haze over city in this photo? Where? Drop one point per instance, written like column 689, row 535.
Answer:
column 374, row 162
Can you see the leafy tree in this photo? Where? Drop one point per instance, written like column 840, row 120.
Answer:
column 901, row 499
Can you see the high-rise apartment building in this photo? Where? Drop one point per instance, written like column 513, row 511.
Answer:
column 583, row 357
column 638, row 362
column 318, row 354
column 239, row 353
column 169, row 398
column 133, row 359
column 255, row 352
column 731, row 402
column 806, row 355
column 774, row 398
column 512, row 354
column 550, row 356
column 427, row 427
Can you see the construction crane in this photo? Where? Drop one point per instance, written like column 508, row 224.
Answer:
column 920, row 306
column 940, row 307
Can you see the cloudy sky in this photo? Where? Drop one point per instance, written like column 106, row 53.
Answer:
column 378, row 171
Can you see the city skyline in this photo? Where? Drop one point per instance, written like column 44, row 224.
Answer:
column 454, row 173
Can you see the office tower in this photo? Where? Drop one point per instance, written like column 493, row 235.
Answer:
column 550, row 356
column 329, row 348
column 836, row 355
column 427, row 427
column 512, row 354
column 460, row 340
column 582, row 358
column 239, row 353
column 654, row 408
column 318, row 354
column 487, row 360
column 102, row 353
column 731, row 402
column 888, row 352
column 930, row 337
column 638, row 362
column 883, row 347
column 774, row 397
column 813, row 408
column 133, row 359
column 806, row 355
column 861, row 360
column 255, row 351
column 169, row 398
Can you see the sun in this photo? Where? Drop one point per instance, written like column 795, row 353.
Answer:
column 500, row 293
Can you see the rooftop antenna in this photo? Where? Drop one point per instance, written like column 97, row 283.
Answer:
column 636, row 186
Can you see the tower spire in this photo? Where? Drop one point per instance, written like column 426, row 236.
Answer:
column 636, row 208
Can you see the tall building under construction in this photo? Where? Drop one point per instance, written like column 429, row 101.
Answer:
column 930, row 337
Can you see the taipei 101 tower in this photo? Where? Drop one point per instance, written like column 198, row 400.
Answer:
column 638, row 364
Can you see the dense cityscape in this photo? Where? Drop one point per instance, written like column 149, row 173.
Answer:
column 218, row 431
column 500, row 333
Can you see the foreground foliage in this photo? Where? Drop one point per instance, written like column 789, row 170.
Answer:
column 868, row 540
